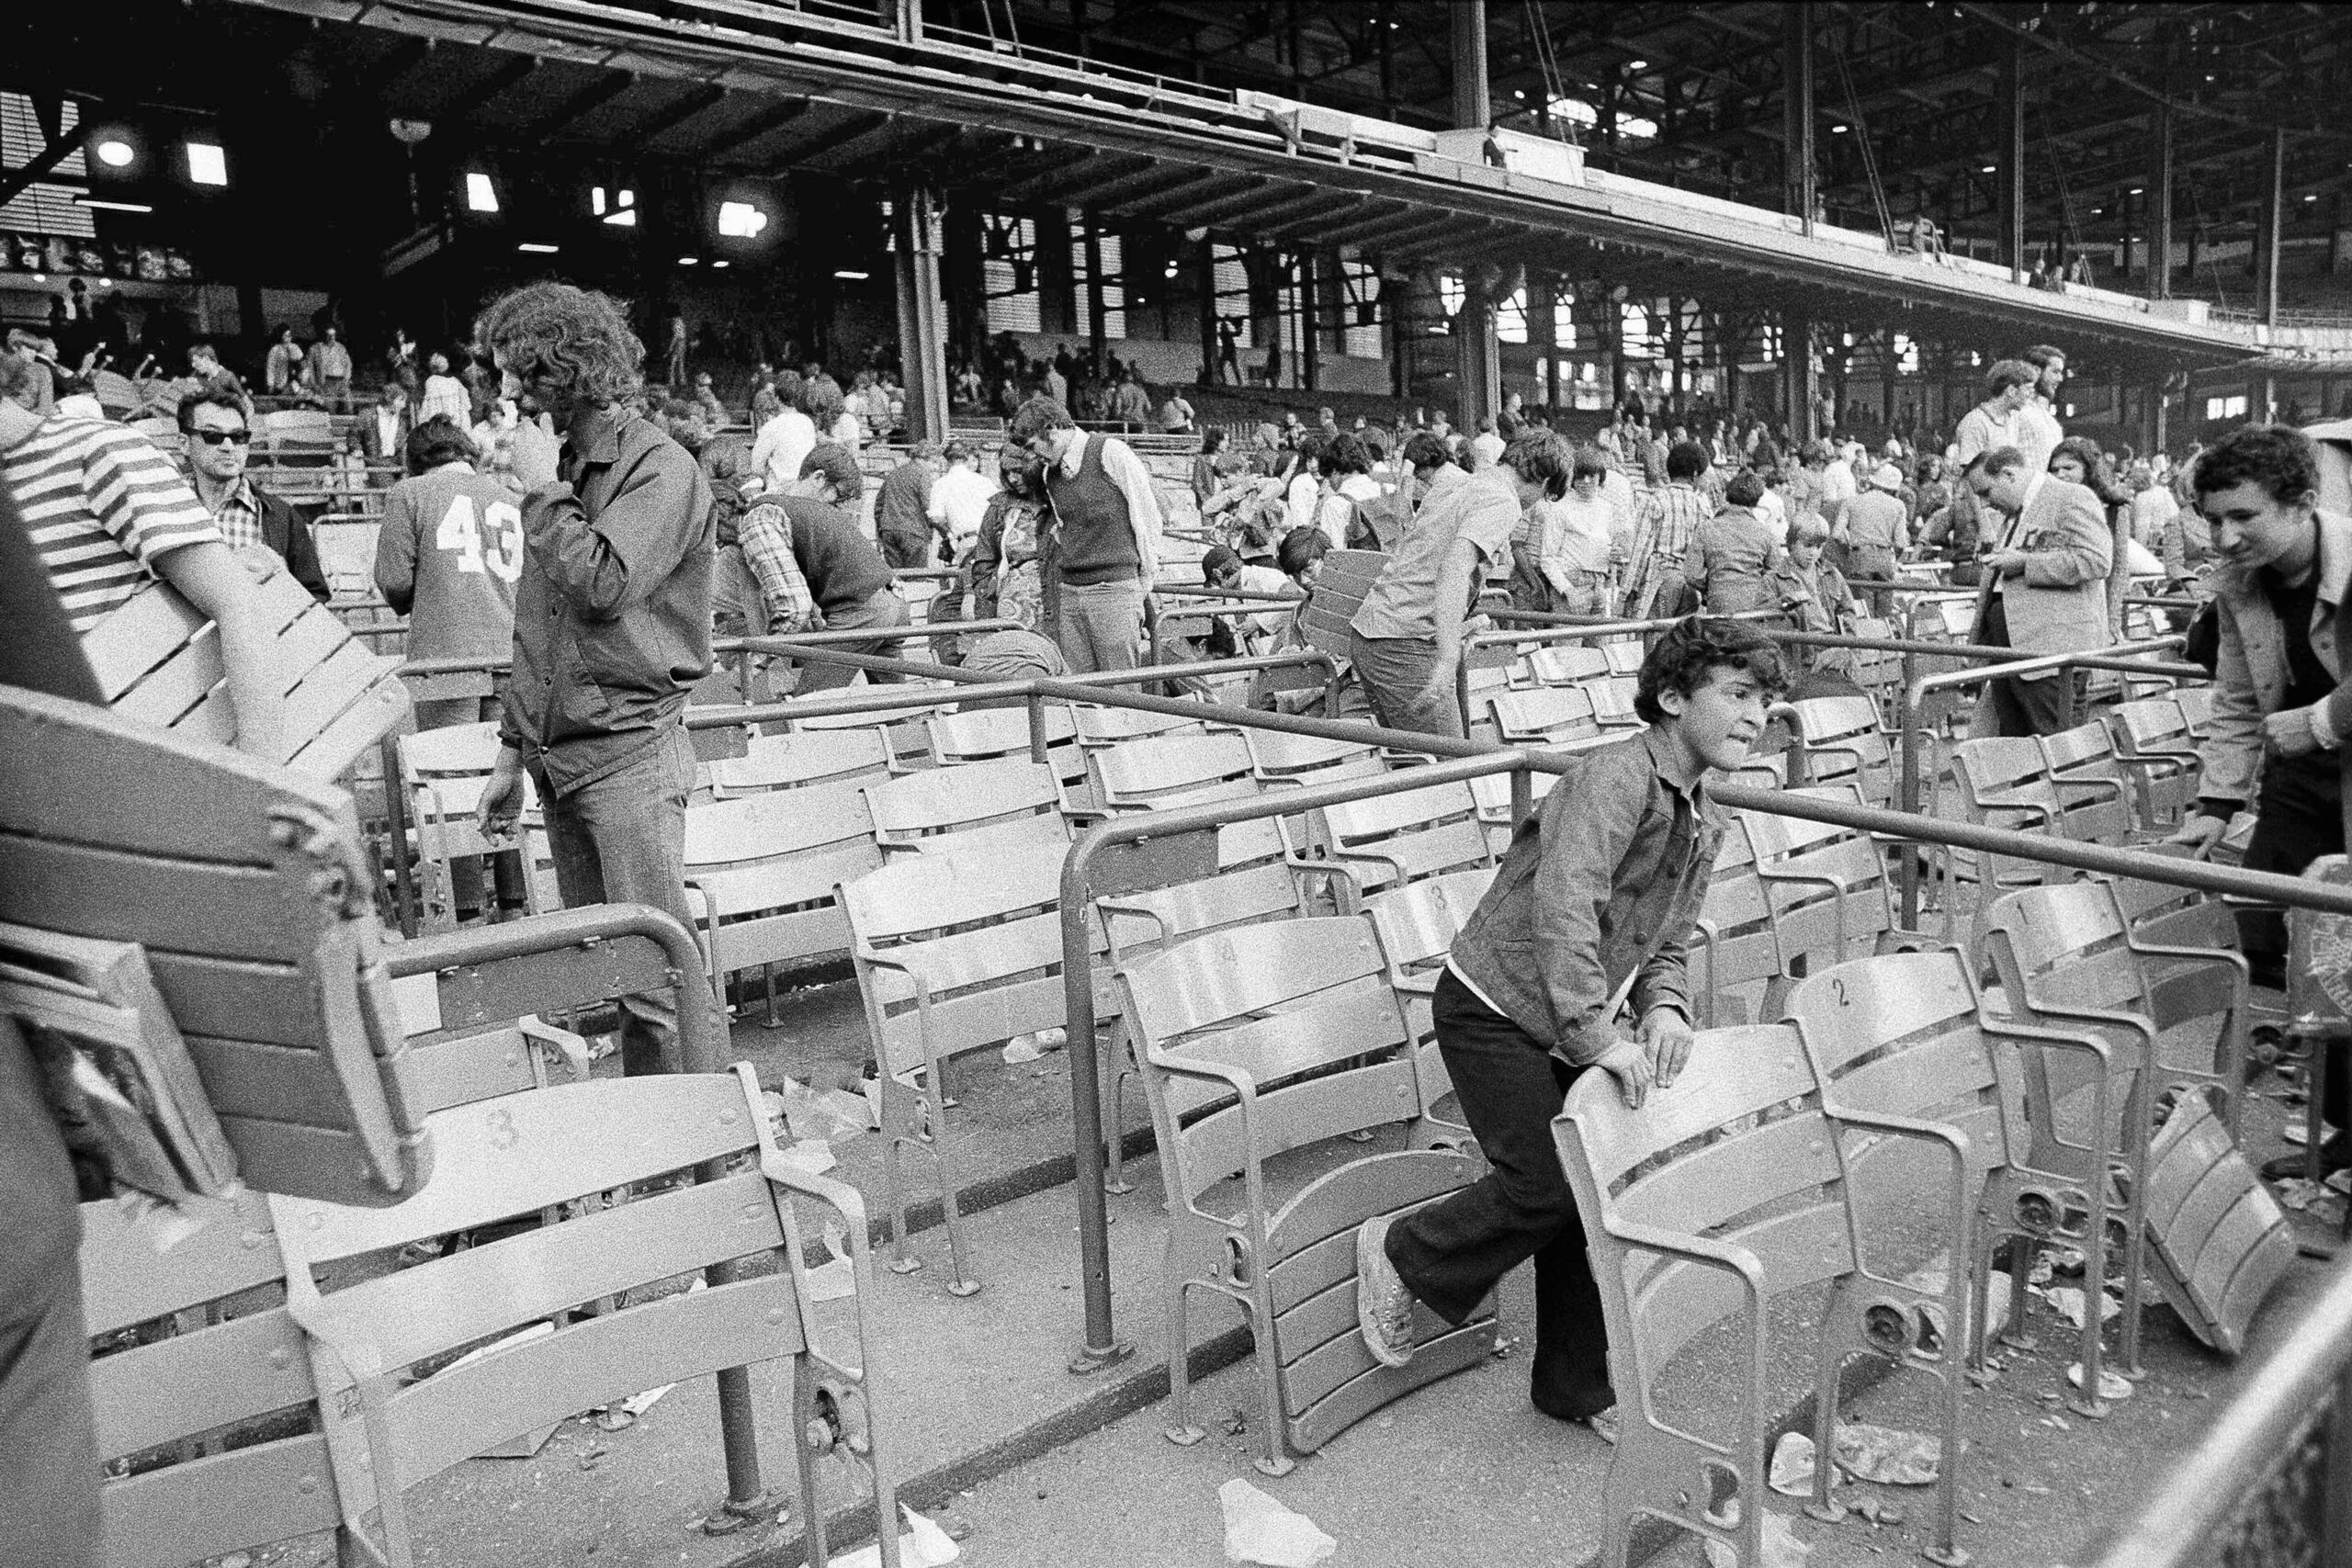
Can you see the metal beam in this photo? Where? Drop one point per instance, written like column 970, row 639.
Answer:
column 1158, row 204
column 1799, row 191
column 1201, row 214
column 2160, row 208
column 646, row 132
column 744, row 133
column 2010, row 161
column 1386, row 217
column 1038, row 187
column 873, row 139
column 594, row 95
column 1112, row 194
column 60, row 147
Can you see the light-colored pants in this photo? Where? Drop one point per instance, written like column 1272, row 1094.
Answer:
column 1097, row 626
column 1395, row 675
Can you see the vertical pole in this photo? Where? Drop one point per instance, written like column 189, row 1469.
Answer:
column 1797, row 169
column 1907, row 716
column 923, row 314
column 1310, row 356
column 1206, row 260
column 2011, row 172
column 1796, row 344
column 2160, row 210
column 2274, row 224
column 1097, row 339
column 1476, row 359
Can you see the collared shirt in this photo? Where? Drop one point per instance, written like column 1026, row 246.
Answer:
column 959, row 504
column 612, row 616
column 1576, row 535
column 765, row 535
column 782, row 444
column 1481, row 508
column 239, row 515
column 1981, row 433
column 1596, row 901
column 444, row 395
column 330, row 361
column 1124, row 468
column 2037, row 432
column 1670, row 517
column 1730, row 556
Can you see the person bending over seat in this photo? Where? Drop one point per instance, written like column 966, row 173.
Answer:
column 1591, row 911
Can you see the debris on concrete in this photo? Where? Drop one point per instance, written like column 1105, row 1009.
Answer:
column 1781, row 1547
column 825, row 1117
column 2067, row 1301
column 1792, row 1465
column 1260, row 1530
column 834, row 1280
column 1891, row 1457
column 922, row 1544
column 1024, row 1048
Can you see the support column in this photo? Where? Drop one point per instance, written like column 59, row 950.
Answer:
column 1311, row 352
column 2160, row 210
column 919, row 222
column 1097, row 338
column 2011, row 159
column 1478, row 360
column 1205, row 264
column 2266, row 261
column 1798, row 181
column 1796, row 374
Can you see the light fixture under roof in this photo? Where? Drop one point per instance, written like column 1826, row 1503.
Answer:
column 115, row 153
column 480, row 195
column 690, row 261
column 207, row 164
column 851, row 274
column 537, row 248
column 84, row 199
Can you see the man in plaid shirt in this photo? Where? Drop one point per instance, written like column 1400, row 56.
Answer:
column 765, row 533
column 1669, row 517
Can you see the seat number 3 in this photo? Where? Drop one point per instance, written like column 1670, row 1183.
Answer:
column 492, row 543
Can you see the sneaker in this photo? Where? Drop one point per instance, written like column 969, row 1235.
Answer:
column 1604, row 1425
column 1383, row 1306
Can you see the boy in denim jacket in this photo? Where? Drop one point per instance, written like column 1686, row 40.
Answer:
column 1592, row 909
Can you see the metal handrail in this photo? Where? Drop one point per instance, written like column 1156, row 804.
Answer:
column 2197, row 1508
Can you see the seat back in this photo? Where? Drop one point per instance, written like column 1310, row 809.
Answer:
column 1566, row 663
column 1139, row 774
column 1135, row 922
column 1391, row 838
column 1736, row 1153
column 553, row 1156
column 1100, row 726
column 2090, row 783
column 2196, row 703
column 1826, row 885
column 1844, row 742
column 1311, row 758
column 798, row 757
column 2004, row 782
column 190, row 1342
column 245, row 884
column 761, row 871
column 1900, row 1033
column 1340, row 589
column 157, row 660
column 1546, row 716
column 1301, row 1009
column 1735, row 952
column 1415, row 925
column 947, row 800
column 980, row 937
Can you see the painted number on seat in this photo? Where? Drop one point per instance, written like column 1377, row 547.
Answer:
column 491, row 542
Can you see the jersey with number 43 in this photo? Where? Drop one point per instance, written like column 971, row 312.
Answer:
column 449, row 554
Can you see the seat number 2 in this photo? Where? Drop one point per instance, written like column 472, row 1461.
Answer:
column 491, row 542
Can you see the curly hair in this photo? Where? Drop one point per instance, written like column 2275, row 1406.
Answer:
column 1543, row 459
column 2279, row 459
column 578, row 341
column 1680, row 660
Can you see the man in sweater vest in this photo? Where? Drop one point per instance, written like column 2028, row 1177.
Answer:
column 1103, row 549
column 817, row 569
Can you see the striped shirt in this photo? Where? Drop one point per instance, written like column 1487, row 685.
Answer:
column 102, row 506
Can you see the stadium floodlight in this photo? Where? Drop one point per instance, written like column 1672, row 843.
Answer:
column 741, row 220
column 480, row 195
column 207, row 164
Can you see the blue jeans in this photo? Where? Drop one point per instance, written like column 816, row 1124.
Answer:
column 1394, row 673
column 622, row 840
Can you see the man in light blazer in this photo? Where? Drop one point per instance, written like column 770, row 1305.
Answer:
column 2044, row 588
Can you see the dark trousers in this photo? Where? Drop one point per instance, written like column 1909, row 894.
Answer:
column 2025, row 709
column 1453, row 1252
column 2300, row 819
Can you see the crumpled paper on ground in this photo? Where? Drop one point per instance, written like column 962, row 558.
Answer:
column 1781, row 1547
column 922, row 1545
column 1024, row 1048
column 2067, row 1301
column 834, row 1280
column 827, row 1117
column 1889, row 1457
column 1792, row 1461
column 1935, row 1274
column 1259, row 1529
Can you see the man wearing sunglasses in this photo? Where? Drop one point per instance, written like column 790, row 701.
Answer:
column 219, row 439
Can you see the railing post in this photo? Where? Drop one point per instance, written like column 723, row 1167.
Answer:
column 1036, row 705
column 1523, row 796
column 1907, row 715
column 1102, row 1347
column 396, row 830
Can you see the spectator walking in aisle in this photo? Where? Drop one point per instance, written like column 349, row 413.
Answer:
column 328, row 370
column 673, row 355
column 1994, row 423
column 1588, row 917
column 110, row 515
column 903, row 522
column 784, row 438
column 1102, row 553
column 447, row 556
column 219, row 439
column 1175, row 413
column 399, row 362
column 1131, row 404
column 612, row 627
column 959, row 501
column 1732, row 555
column 2037, row 430
column 2044, row 588
column 1406, row 638
column 1875, row 529
column 817, row 569
column 1671, row 516
column 2280, row 710
column 1486, row 446
column 445, row 396
column 707, row 396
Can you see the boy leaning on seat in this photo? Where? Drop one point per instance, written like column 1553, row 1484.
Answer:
column 1592, row 909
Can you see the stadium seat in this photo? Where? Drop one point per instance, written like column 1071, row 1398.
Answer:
column 1386, row 841
column 950, row 800
column 800, row 758
column 1710, row 1213
column 762, row 872
column 442, row 772
column 1417, row 924
column 1255, row 1043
